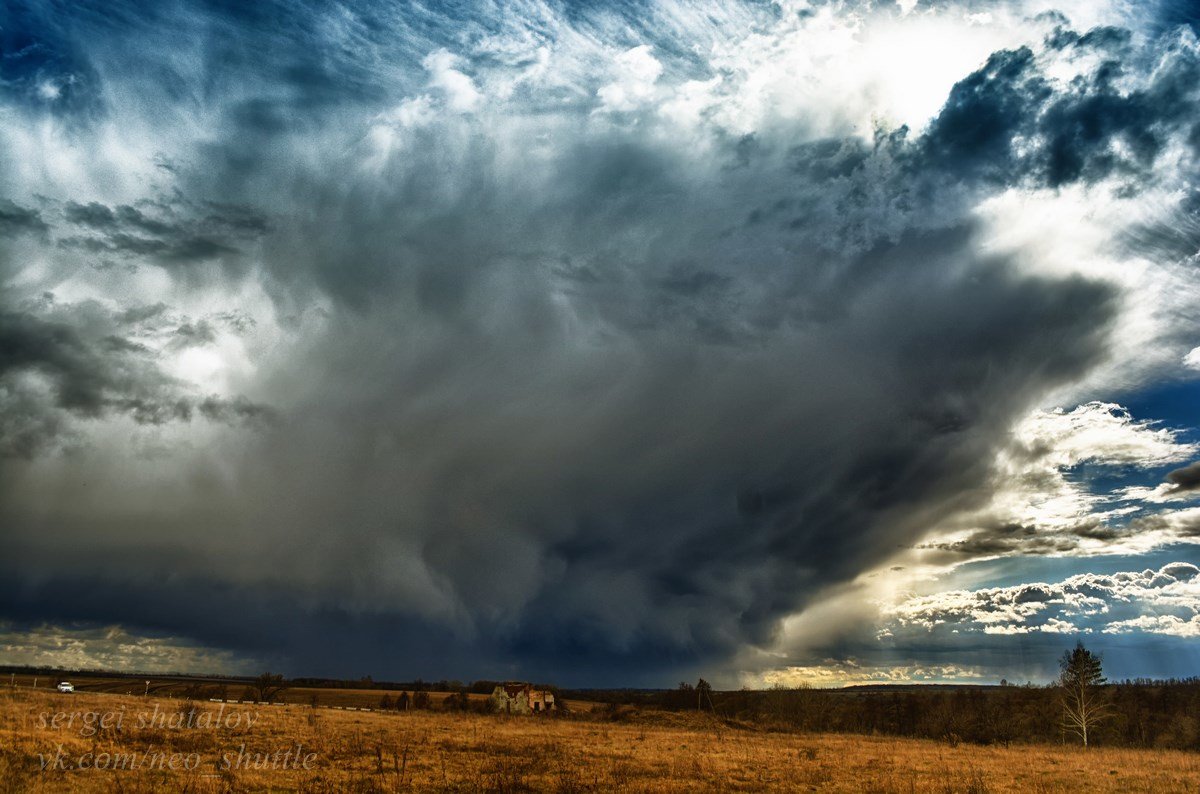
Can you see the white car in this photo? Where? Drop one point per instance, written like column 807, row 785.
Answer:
column 66, row 686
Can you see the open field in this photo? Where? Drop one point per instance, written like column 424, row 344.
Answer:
column 206, row 688
column 224, row 747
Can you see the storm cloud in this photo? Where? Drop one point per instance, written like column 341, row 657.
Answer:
column 559, row 342
column 1186, row 478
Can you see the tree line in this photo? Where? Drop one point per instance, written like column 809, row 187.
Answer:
column 1081, row 708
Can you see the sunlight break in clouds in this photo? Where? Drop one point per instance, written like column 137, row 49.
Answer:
column 834, row 674
column 112, row 648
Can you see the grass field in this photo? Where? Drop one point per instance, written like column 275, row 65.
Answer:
column 206, row 688
column 217, row 747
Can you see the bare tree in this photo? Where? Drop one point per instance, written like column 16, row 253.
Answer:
column 1081, row 694
column 267, row 686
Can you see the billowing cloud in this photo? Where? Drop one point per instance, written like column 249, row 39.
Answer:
column 1162, row 600
column 63, row 363
column 590, row 344
column 1037, row 506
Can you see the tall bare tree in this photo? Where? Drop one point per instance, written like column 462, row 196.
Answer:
column 1084, row 701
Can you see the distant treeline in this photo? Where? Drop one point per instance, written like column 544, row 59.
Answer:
column 1141, row 713
column 419, row 685
column 59, row 672
column 366, row 682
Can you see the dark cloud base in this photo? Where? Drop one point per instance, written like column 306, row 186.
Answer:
column 581, row 419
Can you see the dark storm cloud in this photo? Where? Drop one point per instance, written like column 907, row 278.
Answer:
column 72, row 361
column 1186, row 478
column 195, row 333
column 94, row 214
column 546, row 474
column 15, row 219
column 237, row 409
column 179, row 234
column 996, row 540
column 1093, row 130
column 974, row 132
column 1011, row 539
column 600, row 414
column 136, row 315
column 82, row 378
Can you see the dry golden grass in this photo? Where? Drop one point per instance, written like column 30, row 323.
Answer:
column 655, row 752
column 170, row 687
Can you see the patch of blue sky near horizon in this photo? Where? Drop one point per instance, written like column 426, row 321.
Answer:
column 1075, row 483
column 1172, row 403
column 1018, row 570
column 838, row 673
column 82, row 647
column 1107, row 480
column 1019, row 662
column 1163, row 602
column 1086, row 526
column 1144, row 623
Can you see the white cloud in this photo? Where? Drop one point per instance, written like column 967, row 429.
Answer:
column 1101, row 432
column 112, row 648
column 49, row 90
column 1035, row 505
column 1165, row 601
column 460, row 91
column 635, row 73
column 1171, row 625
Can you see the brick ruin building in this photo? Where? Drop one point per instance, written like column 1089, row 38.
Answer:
column 514, row 697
